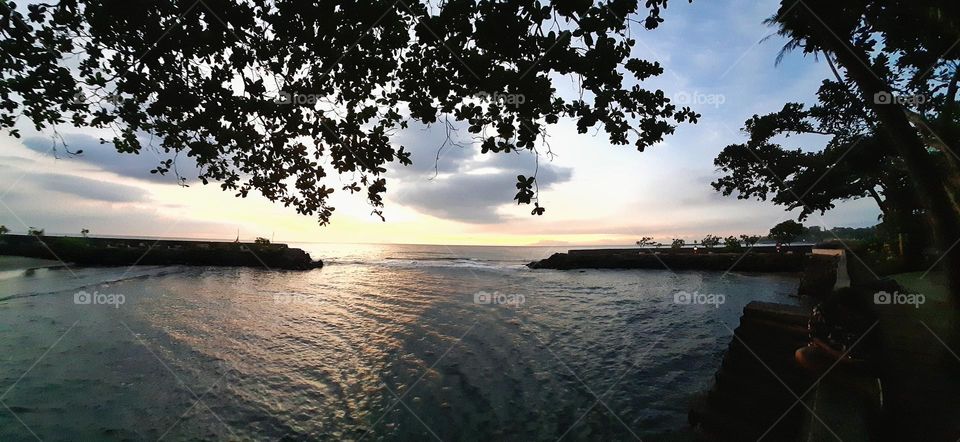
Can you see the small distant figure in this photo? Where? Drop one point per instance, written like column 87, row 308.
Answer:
column 85, row 232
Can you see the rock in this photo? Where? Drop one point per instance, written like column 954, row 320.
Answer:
column 819, row 275
column 129, row 252
column 668, row 260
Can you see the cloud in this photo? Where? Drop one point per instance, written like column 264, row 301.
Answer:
column 429, row 153
column 88, row 189
column 468, row 186
column 466, row 198
column 106, row 157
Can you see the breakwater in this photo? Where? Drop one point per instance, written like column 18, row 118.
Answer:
column 788, row 259
column 755, row 390
column 133, row 251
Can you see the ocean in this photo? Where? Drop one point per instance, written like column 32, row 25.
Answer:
column 385, row 342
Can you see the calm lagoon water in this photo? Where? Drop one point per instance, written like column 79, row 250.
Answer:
column 383, row 343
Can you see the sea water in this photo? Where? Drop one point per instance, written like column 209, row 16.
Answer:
column 386, row 342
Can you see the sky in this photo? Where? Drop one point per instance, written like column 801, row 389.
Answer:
column 717, row 59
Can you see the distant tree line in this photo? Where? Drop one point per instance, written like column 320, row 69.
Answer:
column 787, row 232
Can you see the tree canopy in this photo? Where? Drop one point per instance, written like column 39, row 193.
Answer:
column 901, row 58
column 918, row 62
column 890, row 115
column 274, row 96
column 856, row 161
column 787, row 231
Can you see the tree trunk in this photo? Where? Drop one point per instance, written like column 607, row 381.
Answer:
column 884, row 209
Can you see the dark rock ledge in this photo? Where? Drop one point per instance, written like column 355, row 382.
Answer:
column 128, row 252
column 788, row 260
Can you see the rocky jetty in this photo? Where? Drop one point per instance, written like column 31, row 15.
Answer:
column 755, row 391
column 758, row 389
column 128, row 252
column 753, row 261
